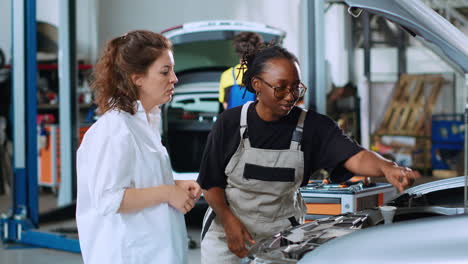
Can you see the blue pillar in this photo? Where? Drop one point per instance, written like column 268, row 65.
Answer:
column 31, row 111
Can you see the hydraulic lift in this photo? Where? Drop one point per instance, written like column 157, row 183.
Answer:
column 21, row 224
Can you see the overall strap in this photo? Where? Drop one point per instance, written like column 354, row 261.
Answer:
column 234, row 79
column 297, row 134
column 243, row 124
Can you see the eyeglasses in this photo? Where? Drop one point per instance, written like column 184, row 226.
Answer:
column 297, row 91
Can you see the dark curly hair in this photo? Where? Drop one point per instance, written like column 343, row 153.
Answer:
column 131, row 53
column 246, row 41
column 254, row 62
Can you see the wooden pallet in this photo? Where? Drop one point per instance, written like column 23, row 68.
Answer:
column 410, row 108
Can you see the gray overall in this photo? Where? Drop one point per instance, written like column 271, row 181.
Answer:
column 262, row 191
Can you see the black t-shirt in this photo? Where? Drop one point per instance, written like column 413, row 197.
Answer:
column 324, row 144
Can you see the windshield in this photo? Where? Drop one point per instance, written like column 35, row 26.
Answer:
column 205, row 54
column 189, row 119
column 191, row 103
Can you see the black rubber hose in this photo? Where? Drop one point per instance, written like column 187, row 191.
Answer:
column 2, row 59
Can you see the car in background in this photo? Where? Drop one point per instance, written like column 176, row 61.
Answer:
column 431, row 220
column 202, row 51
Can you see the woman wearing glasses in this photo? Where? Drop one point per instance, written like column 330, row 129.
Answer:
column 259, row 154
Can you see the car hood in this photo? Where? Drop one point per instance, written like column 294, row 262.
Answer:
column 399, row 243
column 432, row 201
column 420, row 20
column 436, row 186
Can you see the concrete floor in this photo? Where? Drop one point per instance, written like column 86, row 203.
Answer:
column 20, row 254
column 23, row 254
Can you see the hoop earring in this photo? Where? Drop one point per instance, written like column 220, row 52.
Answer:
column 257, row 93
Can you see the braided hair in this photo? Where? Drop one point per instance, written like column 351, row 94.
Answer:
column 246, row 41
column 254, row 62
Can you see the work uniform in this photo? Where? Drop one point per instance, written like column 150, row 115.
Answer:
column 262, row 176
column 231, row 90
column 124, row 151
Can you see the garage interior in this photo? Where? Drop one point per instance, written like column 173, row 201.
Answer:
column 393, row 93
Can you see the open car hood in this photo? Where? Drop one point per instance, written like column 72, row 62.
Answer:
column 207, row 45
column 220, row 30
column 444, row 38
column 430, row 240
column 425, row 206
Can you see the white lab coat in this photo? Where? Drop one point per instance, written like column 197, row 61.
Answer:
column 121, row 151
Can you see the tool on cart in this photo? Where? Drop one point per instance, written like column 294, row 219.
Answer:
column 356, row 183
column 324, row 198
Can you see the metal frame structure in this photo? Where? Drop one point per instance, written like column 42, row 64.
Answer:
column 367, row 47
column 316, row 56
column 466, row 146
column 68, row 74
column 21, row 225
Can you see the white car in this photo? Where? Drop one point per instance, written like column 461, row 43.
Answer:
column 202, row 51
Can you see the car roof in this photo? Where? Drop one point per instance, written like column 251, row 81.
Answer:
column 424, row 22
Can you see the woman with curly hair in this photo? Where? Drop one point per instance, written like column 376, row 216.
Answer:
column 129, row 208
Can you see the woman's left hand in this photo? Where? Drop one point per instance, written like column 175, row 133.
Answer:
column 191, row 187
column 400, row 177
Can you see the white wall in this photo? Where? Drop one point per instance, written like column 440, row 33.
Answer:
column 116, row 17
column 86, row 30
column 48, row 11
column 384, row 63
column 338, row 43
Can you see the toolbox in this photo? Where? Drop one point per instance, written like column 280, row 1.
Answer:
column 323, row 200
column 49, row 155
column 448, row 135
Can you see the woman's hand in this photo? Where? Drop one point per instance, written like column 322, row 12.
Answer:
column 400, row 177
column 191, row 187
column 237, row 235
column 369, row 163
column 180, row 199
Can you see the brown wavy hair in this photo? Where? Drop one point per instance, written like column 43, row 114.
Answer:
column 131, row 53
